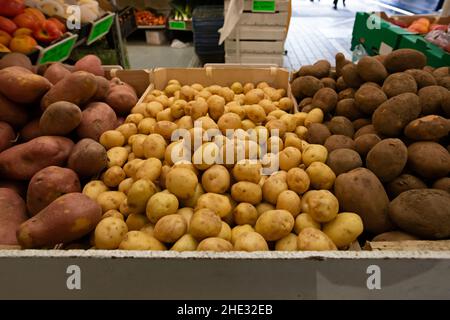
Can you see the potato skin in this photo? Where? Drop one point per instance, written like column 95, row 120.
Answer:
column 66, row 219
column 422, row 212
column 21, row 85
column 87, row 158
column 404, row 59
column 429, row 159
column 359, row 184
column 393, row 115
column 12, row 213
column 59, row 119
column 430, row 127
column 325, row 99
column 21, row 162
column 7, row 136
column 48, row 184
column 77, row 88
column 387, row 159
column 343, row 160
column 97, row 118
column 311, row 239
column 90, row 63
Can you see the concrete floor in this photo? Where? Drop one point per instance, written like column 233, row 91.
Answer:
column 316, row 31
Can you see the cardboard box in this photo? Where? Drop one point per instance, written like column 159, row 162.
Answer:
column 156, row 37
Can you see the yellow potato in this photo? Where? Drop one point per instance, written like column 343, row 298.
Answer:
column 197, row 108
column 94, row 188
column 150, row 169
column 185, row 122
column 136, row 221
column 237, row 87
column 204, row 94
column 197, row 87
column 216, row 179
column 298, row 180
column 147, row 126
column 188, row 93
column 148, row 229
column 290, row 201
column 267, row 105
column 131, row 167
column 113, row 214
column 245, row 191
column 314, row 153
column 138, row 240
column 109, row 233
column 154, row 146
column 216, row 106
column 139, row 108
column 276, row 127
column 113, row 176
column 181, row 182
column 110, row 200
column 253, row 96
column 165, row 128
column 208, row 124
column 218, row 203
column 177, row 108
column 300, row 118
column 344, row 229
column 255, row 113
column 171, row 89
column 117, row 156
column 321, row 205
column 127, row 129
column 278, row 113
column 263, row 207
column 137, row 143
column 286, row 104
column 304, row 221
column 289, row 121
column 229, row 121
column 186, row 213
column 161, row 204
column 245, row 213
column 247, row 87
column 301, row 132
column 234, row 107
column 288, row 243
column 247, row 170
column 112, row 138
column 247, row 124
column 311, row 239
column 177, row 151
column 139, row 194
column 185, row 243
column 124, row 209
column 321, row 175
column 274, row 224
column 215, row 244
column 291, row 140
column 290, row 158
column 205, row 156
column 314, row 116
column 165, row 115
column 192, row 201
column 250, row 241
column 164, row 100
column 272, row 188
column 225, row 232
column 205, row 223
column 170, row 228
column 275, row 144
column 237, row 231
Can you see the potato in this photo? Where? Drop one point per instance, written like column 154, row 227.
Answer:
column 430, row 127
column 90, row 63
column 348, row 93
column 250, row 241
column 170, row 228
column 394, row 236
column 165, row 128
column 132, row 166
column 139, row 194
column 88, row 158
column 399, row 83
column 442, row 184
column 245, row 213
column 317, row 133
column 13, row 214
column 125, row 185
column 344, row 229
column 292, row 140
column 422, row 212
column 298, row 180
column 314, row 153
column 274, row 224
column 138, row 240
column 341, row 85
column 341, row 61
column 276, row 127
column 185, row 123
column 109, row 233
column 205, row 156
column 321, row 205
column 370, row 69
column 59, row 119
column 205, row 223
column 121, row 96
column 404, row 59
column 314, row 116
column 111, row 200
column 147, row 126
column 185, row 243
column 148, row 229
column 404, row 183
column 48, row 184
column 22, row 161
column 423, row 78
column 360, row 123
column 290, row 201
column 29, row 131
column 128, row 130
column 21, row 85
column 161, row 204
column 325, row 99
column 7, row 136
column 16, row 59
column 181, row 182
column 365, row 142
column 263, row 207
column 339, row 141
column 153, row 108
column 218, row 203
column 229, row 121
column 237, row 231
column 245, row 191
column 358, row 184
column 216, row 106
column 197, row 108
column 303, row 221
column 320, row 69
column 237, row 87
column 329, row 83
column 311, row 239
column 272, row 188
column 432, row 99
column 214, row 244
column 320, row 175
column 192, row 202
column 94, row 188
column 288, row 243
column 255, row 113
column 112, row 138
column 177, row 151
column 387, row 159
column 68, row 218
column 393, row 115
column 351, row 76
column 216, row 179
column 149, row 169
column 116, row 156
column 429, row 159
column 77, row 88
column 103, row 87
column 348, row 108
column 285, row 104
column 343, row 160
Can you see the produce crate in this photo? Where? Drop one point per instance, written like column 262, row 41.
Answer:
column 127, row 21
column 436, row 56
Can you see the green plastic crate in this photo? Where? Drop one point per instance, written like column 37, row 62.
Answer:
column 436, row 56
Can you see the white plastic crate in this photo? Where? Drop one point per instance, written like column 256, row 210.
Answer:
column 254, row 46
column 244, row 32
column 255, row 58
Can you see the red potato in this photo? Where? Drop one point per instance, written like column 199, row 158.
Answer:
column 49, row 184
column 102, row 89
column 12, row 213
column 21, row 162
column 12, row 113
column 97, row 118
column 121, row 96
column 20, row 187
column 56, row 72
column 30, row 131
column 90, row 63
column 68, row 218
column 7, row 136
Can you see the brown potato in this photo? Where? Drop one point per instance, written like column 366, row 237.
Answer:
column 442, row 184
column 370, row 69
column 368, row 99
column 14, row 213
column 339, row 141
column 399, row 83
column 87, row 158
column 433, row 99
column 404, row 183
column 365, row 142
column 326, row 99
column 343, row 160
column 387, row 159
column 429, row 159
column 423, row 78
column 317, row 133
column 430, row 127
column 97, row 118
column 59, row 119
column 394, row 236
column 341, row 125
column 404, row 59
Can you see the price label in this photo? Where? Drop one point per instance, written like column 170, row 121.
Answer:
column 263, row 6
column 177, row 25
column 59, row 51
column 100, row 28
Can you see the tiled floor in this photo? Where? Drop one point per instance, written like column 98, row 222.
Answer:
column 317, row 31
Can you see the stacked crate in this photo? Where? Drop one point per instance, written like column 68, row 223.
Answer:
column 259, row 37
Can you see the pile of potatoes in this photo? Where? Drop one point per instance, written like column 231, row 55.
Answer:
column 50, row 120
column 198, row 201
column 386, row 128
